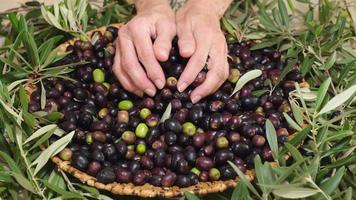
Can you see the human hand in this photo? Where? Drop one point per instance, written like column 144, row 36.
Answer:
column 134, row 46
column 200, row 38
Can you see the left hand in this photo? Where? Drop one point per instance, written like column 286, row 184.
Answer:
column 200, row 38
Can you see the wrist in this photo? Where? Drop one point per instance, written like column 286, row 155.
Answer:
column 218, row 7
column 142, row 5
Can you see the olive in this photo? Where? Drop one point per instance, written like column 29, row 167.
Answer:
column 199, row 79
column 195, row 113
column 98, row 155
column 173, row 125
column 282, row 139
column 158, row 145
column 199, row 139
column 222, row 142
column 241, row 149
column 258, row 141
column 170, row 138
column 216, row 106
column 130, row 154
column 168, row 179
column 249, row 103
column 123, row 175
column 139, row 178
column 216, row 121
column 275, row 121
column 214, row 174
column 204, row 176
column 188, row 128
column 53, row 94
column 100, row 99
column 134, row 166
column 184, row 140
column 106, row 175
column 227, row 172
column 251, row 130
column 181, row 115
column 282, row 132
column 125, row 105
column 99, row 126
column 93, row 168
column 232, row 106
column 146, row 162
column 141, row 130
column 222, row 156
column 193, row 178
column 166, row 94
column 141, row 149
column 204, row 163
column 66, row 154
column 67, row 126
column 134, row 122
column 113, row 31
column 195, row 171
column 234, row 75
column 33, row 107
column 147, row 103
column 152, row 120
column 98, row 76
column 109, row 151
column 152, row 135
column 122, row 116
column 176, row 104
column 99, row 136
column 182, row 166
column 159, row 157
column 190, row 155
column 144, row 113
column 80, row 161
column 182, row 181
column 101, row 88
column 171, row 82
column 234, row 137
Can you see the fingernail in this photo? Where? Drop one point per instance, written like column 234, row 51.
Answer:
column 181, row 87
column 150, row 92
column 159, row 83
column 196, row 98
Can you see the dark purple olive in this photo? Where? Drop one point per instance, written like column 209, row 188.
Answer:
column 123, row 175
column 204, row 176
column 100, row 100
column 93, row 168
column 208, row 150
column 199, row 79
column 106, row 175
column 173, row 125
column 204, row 163
column 232, row 106
column 99, row 136
column 169, row 179
column 193, row 178
column 170, row 138
column 166, row 94
column 234, row 137
column 199, row 139
column 159, row 157
column 176, row 104
column 258, row 141
column 241, row 149
column 155, row 180
column 249, row 103
column 195, row 113
column 109, row 151
column 245, row 53
column 80, row 161
column 251, row 130
column 222, row 156
column 182, row 166
column 146, row 162
column 227, row 172
column 184, row 140
column 98, row 155
column 175, row 149
column 182, row 181
column 181, row 115
column 216, row 121
column 121, row 148
column 190, row 155
column 148, row 103
column 216, row 106
column 134, row 166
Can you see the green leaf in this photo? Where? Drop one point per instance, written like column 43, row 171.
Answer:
column 272, row 138
column 54, row 116
column 267, row 43
column 45, row 49
column 284, row 13
column 240, row 192
column 43, row 97
column 338, row 100
column 330, row 61
column 167, row 113
column 258, row 93
column 190, row 196
column 23, row 98
column 65, row 194
column 31, row 48
column 331, row 184
column 43, row 139
column 91, row 190
column 297, row 112
column 228, row 26
column 11, row 163
column 52, row 150
column 295, row 192
column 248, row 76
column 23, row 182
column 298, row 138
column 41, row 132
column 286, row 70
column 338, row 136
column 243, row 179
column 323, row 89
column 291, row 122
column 294, row 152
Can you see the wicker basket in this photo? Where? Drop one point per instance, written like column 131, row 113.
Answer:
column 147, row 190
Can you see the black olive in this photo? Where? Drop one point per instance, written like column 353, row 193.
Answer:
column 80, row 161
column 183, row 181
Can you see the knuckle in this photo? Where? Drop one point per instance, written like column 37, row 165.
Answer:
column 144, row 55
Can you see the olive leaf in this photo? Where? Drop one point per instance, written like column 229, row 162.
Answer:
column 272, row 138
column 190, row 196
column 167, row 113
column 41, row 132
column 295, row 192
column 52, row 150
column 338, row 100
column 291, row 122
column 248, row 76
column 330, row 61
column 323, row 89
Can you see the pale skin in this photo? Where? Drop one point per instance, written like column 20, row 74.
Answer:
column 200, row 39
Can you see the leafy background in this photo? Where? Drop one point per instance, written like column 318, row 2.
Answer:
column 321, row 39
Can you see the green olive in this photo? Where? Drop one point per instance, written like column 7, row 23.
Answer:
column 125, row 105
column 129, row 137
column 99, row 75
column 107, row 85
column 222, row 142
column 144, row 113
column 103, row 112
column 234, row 75
column 141, row 130
column 141, row 148
column 189, row 129
column 66, row 154
column 89, row 138
column 195, row 171
column 214, row 174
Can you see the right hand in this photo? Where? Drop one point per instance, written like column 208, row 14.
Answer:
column 134, row 46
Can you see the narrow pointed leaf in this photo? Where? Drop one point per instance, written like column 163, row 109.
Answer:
column 248, row 76
column 272, row 138
column 167, row 113
column 338, row 100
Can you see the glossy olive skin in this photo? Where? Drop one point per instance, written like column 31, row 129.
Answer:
column 107, row 175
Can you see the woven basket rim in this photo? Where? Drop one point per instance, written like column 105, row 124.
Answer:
column 146, row 190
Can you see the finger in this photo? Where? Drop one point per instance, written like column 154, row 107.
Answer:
column 196, row 62
column 217, row 74
column 144, row 48
column 186, row 41
column 133, row 68
column 163, row 43
column 123, row 78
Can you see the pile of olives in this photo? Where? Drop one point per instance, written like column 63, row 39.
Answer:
column 119, row 137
